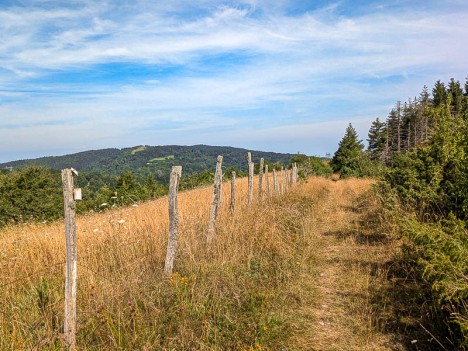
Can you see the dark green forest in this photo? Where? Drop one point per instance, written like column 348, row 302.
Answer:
column 31, row 190
column 419, row 153
column 151, row 161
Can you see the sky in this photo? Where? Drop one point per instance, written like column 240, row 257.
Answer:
column 269, row 75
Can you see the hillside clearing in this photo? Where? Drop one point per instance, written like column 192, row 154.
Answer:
column 293, row 273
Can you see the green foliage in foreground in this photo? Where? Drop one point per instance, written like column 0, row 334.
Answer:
column 426, row 191
column 432, row 179
column 440, row 251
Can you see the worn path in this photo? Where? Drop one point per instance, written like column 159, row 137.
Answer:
column 347, row 309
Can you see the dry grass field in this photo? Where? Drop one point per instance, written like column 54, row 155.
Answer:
column 295, row 272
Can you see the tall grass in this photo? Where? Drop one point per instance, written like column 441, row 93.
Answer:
column 250, row 290
column 221, row 297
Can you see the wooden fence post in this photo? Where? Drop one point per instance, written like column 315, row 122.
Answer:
column 267, row 182
column 286, row 180
column 251, row 176
column 71, row 258
column 233, row 191
column 294, row 174
column 249, row 157
column 260, row 179
column 176, row 174
column 282, row 181
column 216, row 202
column 275, row 182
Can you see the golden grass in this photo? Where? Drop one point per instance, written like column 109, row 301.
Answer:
column 271, row 279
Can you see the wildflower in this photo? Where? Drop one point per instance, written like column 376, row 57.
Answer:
column 121, row 221
column 265, row 328
column 182, row 308
column 129, row 302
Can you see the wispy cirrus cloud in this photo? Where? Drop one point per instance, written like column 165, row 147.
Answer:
column 121, row 73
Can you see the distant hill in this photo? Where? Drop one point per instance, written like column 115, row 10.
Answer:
column 155, row 160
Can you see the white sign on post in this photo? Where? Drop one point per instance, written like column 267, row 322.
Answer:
column 77, row 194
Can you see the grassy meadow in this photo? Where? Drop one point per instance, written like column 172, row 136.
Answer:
column 262, row 285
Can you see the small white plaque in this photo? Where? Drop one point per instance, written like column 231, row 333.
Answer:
column 77, row 194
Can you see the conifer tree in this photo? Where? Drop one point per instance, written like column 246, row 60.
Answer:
column 348, row 157
column 376, row 140
column 439, row 93
column 456, row 92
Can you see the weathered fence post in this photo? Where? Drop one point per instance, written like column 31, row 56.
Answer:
column 176, row 174
column 216, row 202
column 233, row 191
column 71, row 258
column 286, row 180
column 275, row 182
column 267, row 182
column 251, row 177
column 282, row 182
column 294, row 174
column 260, row 179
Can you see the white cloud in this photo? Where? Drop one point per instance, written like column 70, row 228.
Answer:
column 293, row 68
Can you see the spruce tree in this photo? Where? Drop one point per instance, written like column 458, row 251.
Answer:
column 456, row 92
column 348, row 158
column 376, row 140
column 439, row 93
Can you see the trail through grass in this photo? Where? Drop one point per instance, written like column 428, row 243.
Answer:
column 349, row 310
column 296, row 272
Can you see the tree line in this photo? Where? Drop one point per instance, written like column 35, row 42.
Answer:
column 419, row 153
column 420, row 150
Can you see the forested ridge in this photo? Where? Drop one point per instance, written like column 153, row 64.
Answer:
column 155, row 161
column 31, row 190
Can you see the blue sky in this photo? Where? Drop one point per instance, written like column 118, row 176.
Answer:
column 280, row 75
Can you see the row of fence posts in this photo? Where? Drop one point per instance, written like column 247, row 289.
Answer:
column 288, row 178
